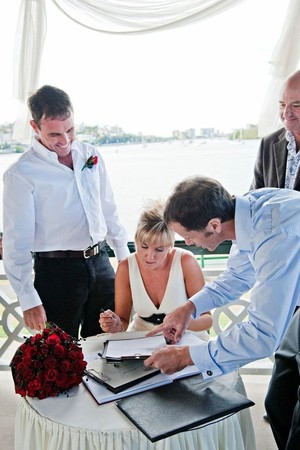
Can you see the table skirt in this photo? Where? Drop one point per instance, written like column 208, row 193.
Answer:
column 76, row 422
column 35, row 432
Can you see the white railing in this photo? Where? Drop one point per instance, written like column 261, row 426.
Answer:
column 12, row 329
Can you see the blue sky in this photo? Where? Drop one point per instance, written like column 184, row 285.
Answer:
column 210, row 74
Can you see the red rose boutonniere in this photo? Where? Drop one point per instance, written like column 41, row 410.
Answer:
column 91, row 162
column 47, row 364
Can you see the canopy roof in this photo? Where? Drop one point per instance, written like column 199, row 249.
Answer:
column 136, row 17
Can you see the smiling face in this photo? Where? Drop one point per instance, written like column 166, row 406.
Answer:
column 290, row 104
column 56, row 134
column 210, row 238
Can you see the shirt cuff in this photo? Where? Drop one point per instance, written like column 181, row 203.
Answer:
column 201, row 358
column 202, row 301
column 121, row 252
column 28, row 301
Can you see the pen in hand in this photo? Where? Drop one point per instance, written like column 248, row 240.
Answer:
column 103, row 311
column 107, row 320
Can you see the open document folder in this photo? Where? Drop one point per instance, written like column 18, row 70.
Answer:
column 121, row 375
column 139, row 348
column 96, row 383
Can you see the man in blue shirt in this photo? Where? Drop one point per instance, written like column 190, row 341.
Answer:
column 265, row 257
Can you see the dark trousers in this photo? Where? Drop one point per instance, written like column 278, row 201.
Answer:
column 73, row 291
column 283, row 398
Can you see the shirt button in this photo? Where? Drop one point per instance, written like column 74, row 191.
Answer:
column 209, row 373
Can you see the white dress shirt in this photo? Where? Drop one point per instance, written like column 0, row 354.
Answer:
column 47, row 206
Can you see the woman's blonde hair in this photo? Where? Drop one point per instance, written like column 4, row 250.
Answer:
column 151, row 226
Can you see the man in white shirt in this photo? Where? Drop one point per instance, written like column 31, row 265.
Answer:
column 58, row 205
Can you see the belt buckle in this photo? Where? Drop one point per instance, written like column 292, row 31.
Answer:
column 95, row 249
column 86, row 250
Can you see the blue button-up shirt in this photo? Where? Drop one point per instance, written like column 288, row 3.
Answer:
column 265, row 257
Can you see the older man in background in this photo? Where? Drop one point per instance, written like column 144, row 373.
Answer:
column 278, row 159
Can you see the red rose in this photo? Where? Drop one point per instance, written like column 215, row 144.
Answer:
column 28, row 374
column 79, row 366
column 51, row 375
column 34, row 385
column 59, row 351
column 21, row 391
column 46, row 332
column 75, row 354
column 52, row 339
column 21, row 367
column 32, row 351
column 50, row 363
column 44, row 349
column 35, row 339
column 62, row 380
column 65, row 365
column 37, row 364
column 64, row 336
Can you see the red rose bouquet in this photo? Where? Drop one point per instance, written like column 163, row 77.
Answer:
column 47, row 364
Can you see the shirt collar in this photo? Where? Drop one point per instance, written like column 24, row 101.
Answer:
column 292, row 146
column 43, row 151
column 242, row 222
column 48, row 154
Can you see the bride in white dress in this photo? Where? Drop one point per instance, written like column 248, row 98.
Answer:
column 154, row 280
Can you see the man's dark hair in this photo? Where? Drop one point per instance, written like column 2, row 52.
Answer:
column 50, row 102
column 197, row 200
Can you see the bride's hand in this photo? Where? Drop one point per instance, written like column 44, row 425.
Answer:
column 110, row 322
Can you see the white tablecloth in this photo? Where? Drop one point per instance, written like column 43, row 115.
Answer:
column 77, row 422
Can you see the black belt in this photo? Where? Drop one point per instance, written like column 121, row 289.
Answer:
column 86, row 253
column 155, row 318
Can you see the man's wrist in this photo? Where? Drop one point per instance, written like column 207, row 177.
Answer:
column 191, row 307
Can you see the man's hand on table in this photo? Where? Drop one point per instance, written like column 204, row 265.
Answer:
column 35, row 318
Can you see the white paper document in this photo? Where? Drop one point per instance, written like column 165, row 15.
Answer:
column 139, row 348
column 103, row 395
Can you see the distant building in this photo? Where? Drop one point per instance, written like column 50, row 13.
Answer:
column 208, row 132
column 190, row 133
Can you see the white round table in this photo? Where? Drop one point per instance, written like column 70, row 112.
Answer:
column 77, row 422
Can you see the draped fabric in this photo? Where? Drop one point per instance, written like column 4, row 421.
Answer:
column 30, row 37
column 284, row 61
column 140, row 16
column 137, row 17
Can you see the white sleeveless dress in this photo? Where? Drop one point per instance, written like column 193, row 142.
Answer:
column 175, row 294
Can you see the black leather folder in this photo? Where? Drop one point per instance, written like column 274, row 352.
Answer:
column 119, row 376
column 180, row 406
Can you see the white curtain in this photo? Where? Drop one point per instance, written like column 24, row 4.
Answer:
column 140, row 16
column 30, row 37
column 134, row 17
column 107, row 16
column 284, row 61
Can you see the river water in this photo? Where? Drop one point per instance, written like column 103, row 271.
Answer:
column 139, row 172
